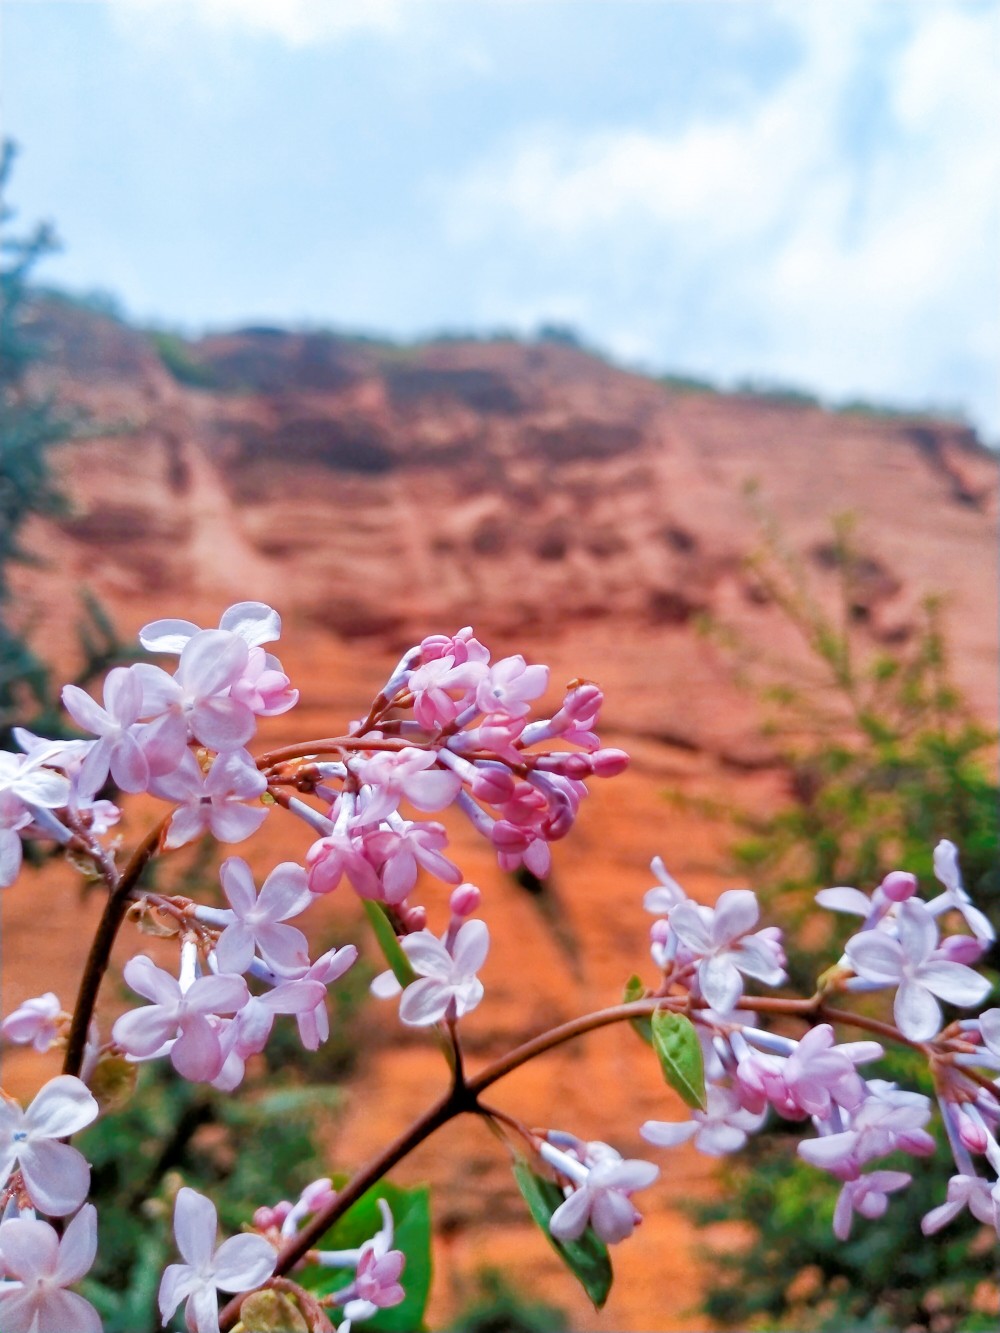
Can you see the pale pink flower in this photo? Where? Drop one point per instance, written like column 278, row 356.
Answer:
column 399, row 851
column 254, row 622
column 56, row 1176
column 720, row 938
column 14, row 816
column 867, row 1195
column 248, row 1032
column 955, row 897
column 877, row 1128
column 195, row 700
column 463, row 647
column 972, row 1192
column 601, row 1195
column 666, row 894
column 448, row 984
column 721, row 1129
column 378, row 1268
column 118, row 747
column 26, row 778
column 915, row 965
column 239, row 1264
column 36, row 1021
column 409, row 773
column 180, row 1017
column 264, row 687
column 341, row 853
column 509, row 685
column 818, row 1073
column 434, row 686
column 314, row 1023
column 42, row 1265
column 258, row 920
column 212, row 802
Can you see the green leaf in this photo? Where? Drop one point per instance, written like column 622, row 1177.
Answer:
column 586, row 1258
column 676, row 1044
column 635, row 990
column 391, row 949
column 411, row 1213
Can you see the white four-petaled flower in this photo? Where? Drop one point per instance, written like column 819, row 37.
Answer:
column 56, row 1175
column 239, row 1263
column 41, row 1265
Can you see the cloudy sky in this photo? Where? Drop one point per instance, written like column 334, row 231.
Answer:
column 805, row 192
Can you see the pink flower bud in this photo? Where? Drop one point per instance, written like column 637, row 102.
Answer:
column 898, row 885
column 583, row 702
column 465, row 900
column 414, row 918
column 972, row 1135
column 265, row 1218
column 495, row 786
column 508, row 837
column 609, row 763
column 962, row 949
column 317, row 1194
column 659, row 931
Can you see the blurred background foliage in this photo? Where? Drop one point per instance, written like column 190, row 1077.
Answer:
column 884, row 759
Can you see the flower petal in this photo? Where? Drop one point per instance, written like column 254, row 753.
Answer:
column 569, row 1221
column 472, row 944
column 736, row 912
column 195, row 1225
column 57, row 1176
column 917, row 1013
column 424, row 1002
column 243, row 1261
column 61, row 1108
column 78, row 1247
column 30, row 1248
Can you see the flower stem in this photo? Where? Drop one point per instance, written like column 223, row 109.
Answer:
column 121, row 888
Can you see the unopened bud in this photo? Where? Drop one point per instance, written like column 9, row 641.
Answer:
column 972, row 1135
column 465, row 900
column 609, row 763
column 898, row 885
column 508, row 837
column 583, row 701
column 414, row 918
column 264, row 1218
column 962, row 949
column 493, row 785
column 659, row 931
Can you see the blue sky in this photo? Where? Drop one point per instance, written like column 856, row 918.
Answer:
column 805, row 191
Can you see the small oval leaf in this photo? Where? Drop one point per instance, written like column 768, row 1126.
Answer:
column 586, row 1258
column 679, row 1050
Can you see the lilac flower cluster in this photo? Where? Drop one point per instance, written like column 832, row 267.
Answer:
column 709, row 951
column 450, row 727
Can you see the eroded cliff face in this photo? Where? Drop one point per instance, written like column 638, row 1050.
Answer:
column 568, row 510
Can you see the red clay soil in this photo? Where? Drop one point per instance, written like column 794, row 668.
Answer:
column 576, row 513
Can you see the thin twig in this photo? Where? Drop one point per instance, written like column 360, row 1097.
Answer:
column 112, row 917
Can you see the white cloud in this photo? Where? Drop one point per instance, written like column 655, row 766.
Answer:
column 787, row 237
column 297, row 23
